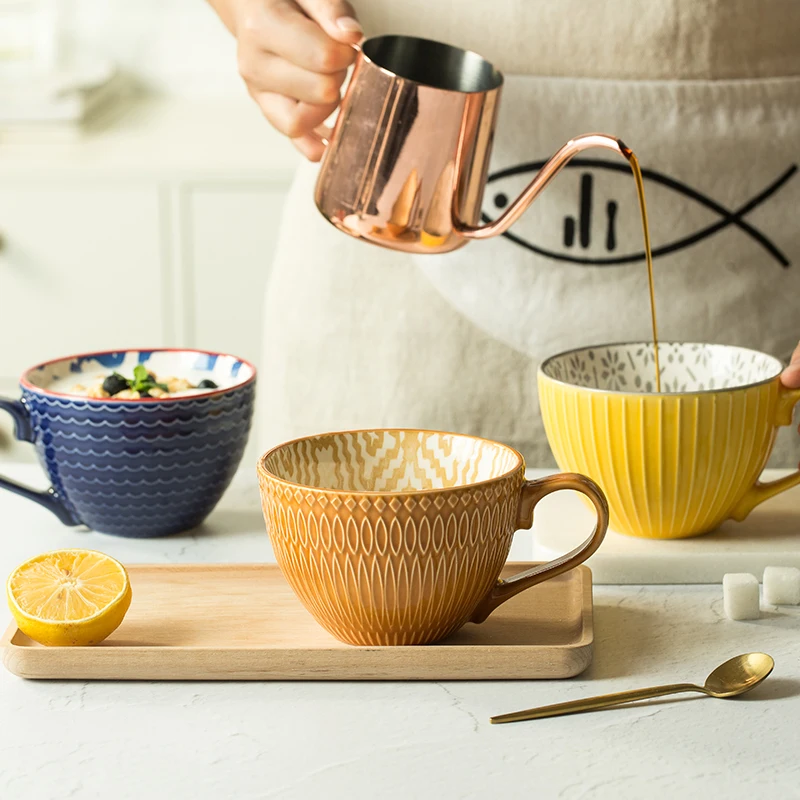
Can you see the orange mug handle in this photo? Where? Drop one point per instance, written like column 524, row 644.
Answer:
column 759, row 492
column 531, row 493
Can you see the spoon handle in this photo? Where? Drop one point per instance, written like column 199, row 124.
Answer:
column 595, row 703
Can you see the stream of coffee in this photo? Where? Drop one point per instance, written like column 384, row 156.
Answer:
column 637, row 176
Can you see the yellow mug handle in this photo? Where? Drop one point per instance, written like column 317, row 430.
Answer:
column 759, row 492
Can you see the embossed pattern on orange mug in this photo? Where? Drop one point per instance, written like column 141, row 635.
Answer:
column 397, row 537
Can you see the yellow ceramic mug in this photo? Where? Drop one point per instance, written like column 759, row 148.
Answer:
column 678, row 463
column 397, row 537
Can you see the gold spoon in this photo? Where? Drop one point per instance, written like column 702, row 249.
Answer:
column 734, row 677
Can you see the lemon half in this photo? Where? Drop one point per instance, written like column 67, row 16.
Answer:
column 69, row 597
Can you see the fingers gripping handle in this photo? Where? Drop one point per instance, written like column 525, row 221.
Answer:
column 23, row 430
column 323, row 133
column 532, row 492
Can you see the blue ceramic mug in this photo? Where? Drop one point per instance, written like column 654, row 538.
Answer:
column 135, row 467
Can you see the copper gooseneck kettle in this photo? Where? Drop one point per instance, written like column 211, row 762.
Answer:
column 406, row 163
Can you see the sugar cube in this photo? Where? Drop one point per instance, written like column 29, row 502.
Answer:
column 740, row 595
column 782, row 586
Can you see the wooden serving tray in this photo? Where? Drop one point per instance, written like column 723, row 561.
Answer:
column 243, row 622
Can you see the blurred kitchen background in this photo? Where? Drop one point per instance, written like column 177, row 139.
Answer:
column 140, row 188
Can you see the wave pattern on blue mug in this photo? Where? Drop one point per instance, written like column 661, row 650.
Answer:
column 137, row 468
column 137, row 507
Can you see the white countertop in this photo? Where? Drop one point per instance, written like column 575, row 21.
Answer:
column 404, row 740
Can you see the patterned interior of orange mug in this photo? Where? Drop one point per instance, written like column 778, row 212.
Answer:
column 390, row 461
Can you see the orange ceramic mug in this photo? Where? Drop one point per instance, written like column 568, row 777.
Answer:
column 397, row 537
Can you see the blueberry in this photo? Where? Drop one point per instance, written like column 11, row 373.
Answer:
column 144, row 393
column 114, row 384
column 207, row 384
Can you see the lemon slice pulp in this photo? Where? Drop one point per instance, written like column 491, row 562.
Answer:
column 69, row 597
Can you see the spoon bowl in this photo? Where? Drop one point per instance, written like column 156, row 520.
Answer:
column 739, row 675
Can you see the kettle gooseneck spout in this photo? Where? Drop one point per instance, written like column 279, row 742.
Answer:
column 543, row 178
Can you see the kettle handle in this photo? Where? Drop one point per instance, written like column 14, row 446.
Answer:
column 546, row 174
column 323, row 133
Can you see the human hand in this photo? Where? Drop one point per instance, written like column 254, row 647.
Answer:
column 791, row 375
column 293, row 56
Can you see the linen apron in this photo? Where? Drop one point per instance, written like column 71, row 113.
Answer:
column 707, row 95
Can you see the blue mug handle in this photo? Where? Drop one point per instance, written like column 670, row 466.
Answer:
column 49, row 498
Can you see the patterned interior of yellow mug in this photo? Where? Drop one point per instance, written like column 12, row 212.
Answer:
column 390, row 461
column 685, row 367
column 673, row 464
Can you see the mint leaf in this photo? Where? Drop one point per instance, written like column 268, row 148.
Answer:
column 140, row 374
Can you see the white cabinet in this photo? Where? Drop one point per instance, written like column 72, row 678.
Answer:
column 227, row 240
column 231, row 241
column 80, row 269
column 157, row 230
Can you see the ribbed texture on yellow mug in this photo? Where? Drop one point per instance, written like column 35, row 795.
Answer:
column 672, row 465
